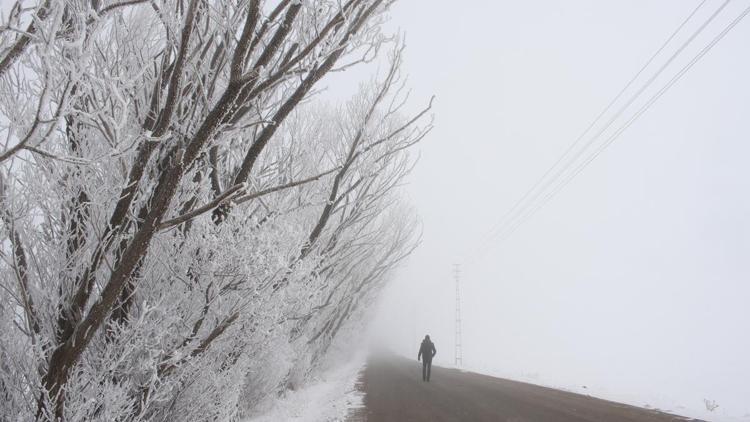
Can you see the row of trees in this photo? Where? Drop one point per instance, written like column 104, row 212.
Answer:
column 186, row 229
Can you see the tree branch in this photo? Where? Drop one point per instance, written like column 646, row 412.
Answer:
column 20, row 262
column 224, row 197
column 23, row 41
column 251, row 196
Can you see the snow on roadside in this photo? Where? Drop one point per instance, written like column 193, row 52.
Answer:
column 328, row 398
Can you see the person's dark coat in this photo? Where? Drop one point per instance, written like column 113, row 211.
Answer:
column 427, row 350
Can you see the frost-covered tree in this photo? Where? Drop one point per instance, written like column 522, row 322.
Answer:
column 186, row 229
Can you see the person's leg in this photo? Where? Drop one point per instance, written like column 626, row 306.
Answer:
column 429, row 369
column 424, row 370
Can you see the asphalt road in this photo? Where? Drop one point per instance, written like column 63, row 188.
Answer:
column 394, row 391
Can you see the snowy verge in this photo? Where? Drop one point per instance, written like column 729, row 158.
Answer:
column 326, row 398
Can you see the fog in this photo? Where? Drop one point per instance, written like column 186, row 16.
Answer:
column 633, row 280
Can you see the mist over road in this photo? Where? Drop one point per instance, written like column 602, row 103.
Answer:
column 394, row 391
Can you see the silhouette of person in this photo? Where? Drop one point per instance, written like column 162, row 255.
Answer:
column 426, row 351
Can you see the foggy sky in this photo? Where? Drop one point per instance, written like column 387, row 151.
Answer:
column 633, row 281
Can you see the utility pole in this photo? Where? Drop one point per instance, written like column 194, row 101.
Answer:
column 457, row 277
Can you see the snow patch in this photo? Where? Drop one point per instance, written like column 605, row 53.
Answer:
column 327, row 398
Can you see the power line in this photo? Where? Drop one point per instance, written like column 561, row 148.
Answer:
column 526, row 207
column 630, row 101
column 629, row 122
column 580, row 137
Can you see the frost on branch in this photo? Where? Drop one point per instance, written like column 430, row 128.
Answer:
column 186, row 230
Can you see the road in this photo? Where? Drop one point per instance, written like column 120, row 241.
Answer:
column 394, row 391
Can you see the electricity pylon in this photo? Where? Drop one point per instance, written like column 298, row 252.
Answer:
column 457, row 276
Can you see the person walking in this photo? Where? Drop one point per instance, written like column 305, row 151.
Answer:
column 426, row 352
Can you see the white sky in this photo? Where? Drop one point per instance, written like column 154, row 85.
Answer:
column 632, row 281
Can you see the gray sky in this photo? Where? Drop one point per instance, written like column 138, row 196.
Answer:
column 633, row 280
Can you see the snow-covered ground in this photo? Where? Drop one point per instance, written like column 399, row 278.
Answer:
column 327, row 398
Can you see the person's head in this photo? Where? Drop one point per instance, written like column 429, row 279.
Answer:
column 427, row 337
